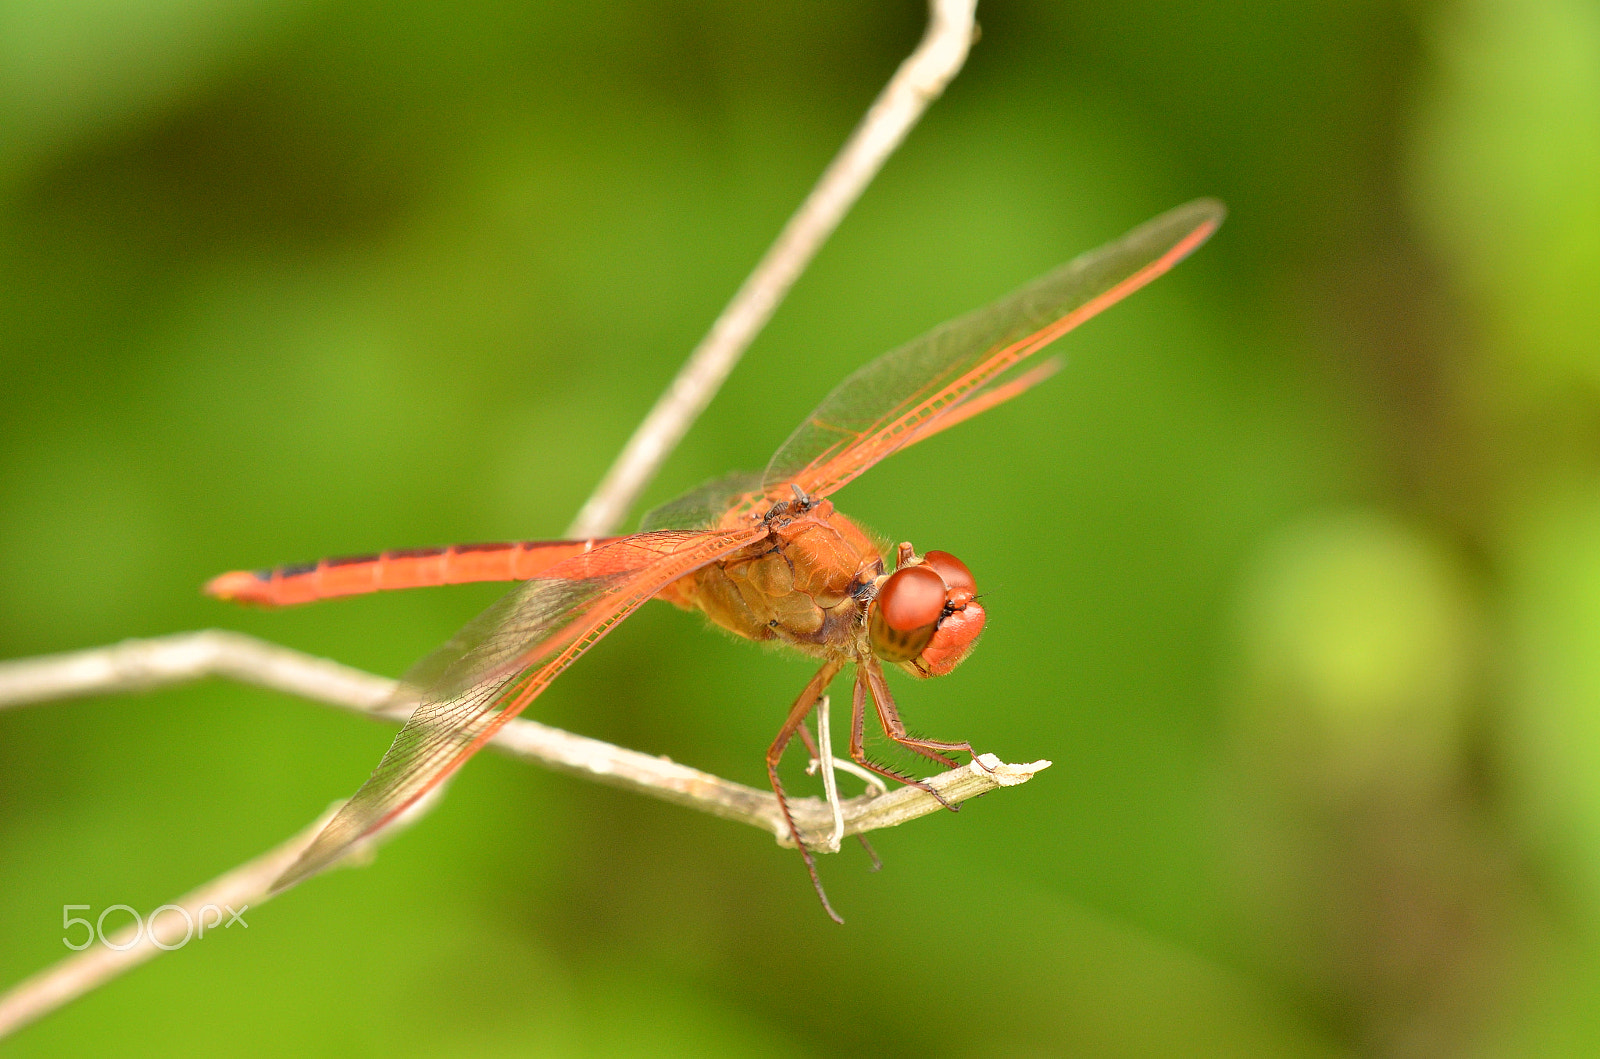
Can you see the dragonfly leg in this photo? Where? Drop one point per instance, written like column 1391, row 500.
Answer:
column 889, row 714
column 811, row 743
column 795, row 722
column 858, row 748
column 895, row 729
column 877, row 862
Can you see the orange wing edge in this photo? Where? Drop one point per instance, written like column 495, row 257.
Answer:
column 345, row 829
column 946, row 408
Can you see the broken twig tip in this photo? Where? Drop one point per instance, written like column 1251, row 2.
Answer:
column 1003, row 774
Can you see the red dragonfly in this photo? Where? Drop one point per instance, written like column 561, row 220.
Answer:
column 766, row 555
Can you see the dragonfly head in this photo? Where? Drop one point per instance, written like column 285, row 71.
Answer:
column 925, row 618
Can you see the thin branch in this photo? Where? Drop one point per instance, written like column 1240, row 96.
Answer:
column 917, row 83
column 246, row 887
column 830, row 778
column 138, row 665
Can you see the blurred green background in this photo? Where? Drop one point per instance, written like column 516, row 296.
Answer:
column 1294, row 572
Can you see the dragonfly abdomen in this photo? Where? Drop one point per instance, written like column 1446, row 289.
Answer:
column 285, row 586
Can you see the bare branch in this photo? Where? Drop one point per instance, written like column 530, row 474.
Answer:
column 137, row 665
column 145, row 664
column 918, row 82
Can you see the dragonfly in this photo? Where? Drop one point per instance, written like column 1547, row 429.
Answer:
column 766, row 556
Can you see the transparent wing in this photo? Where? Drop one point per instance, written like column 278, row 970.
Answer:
column 489, row 671
column 919, row 389
column 704, row 506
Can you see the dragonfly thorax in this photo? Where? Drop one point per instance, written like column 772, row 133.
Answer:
column 806, row 583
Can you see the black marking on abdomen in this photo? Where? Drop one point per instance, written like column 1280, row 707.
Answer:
column 492, row 546
column 413, row 553
column 347, row 560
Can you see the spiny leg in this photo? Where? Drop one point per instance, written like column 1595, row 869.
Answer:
column 794, row 722
column 858, row 747
column 895, row 729
column 858, row 753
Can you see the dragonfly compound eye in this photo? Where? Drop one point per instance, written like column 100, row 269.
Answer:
column 952, row 641
column 957, row 578
column 906, row 612
column 926, row 616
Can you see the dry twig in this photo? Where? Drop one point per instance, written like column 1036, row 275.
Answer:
column 136, row 665
column 145, row 664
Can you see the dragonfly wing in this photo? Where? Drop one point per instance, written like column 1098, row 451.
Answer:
column 919, row 388
column 706, row 505
column 489, row 672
